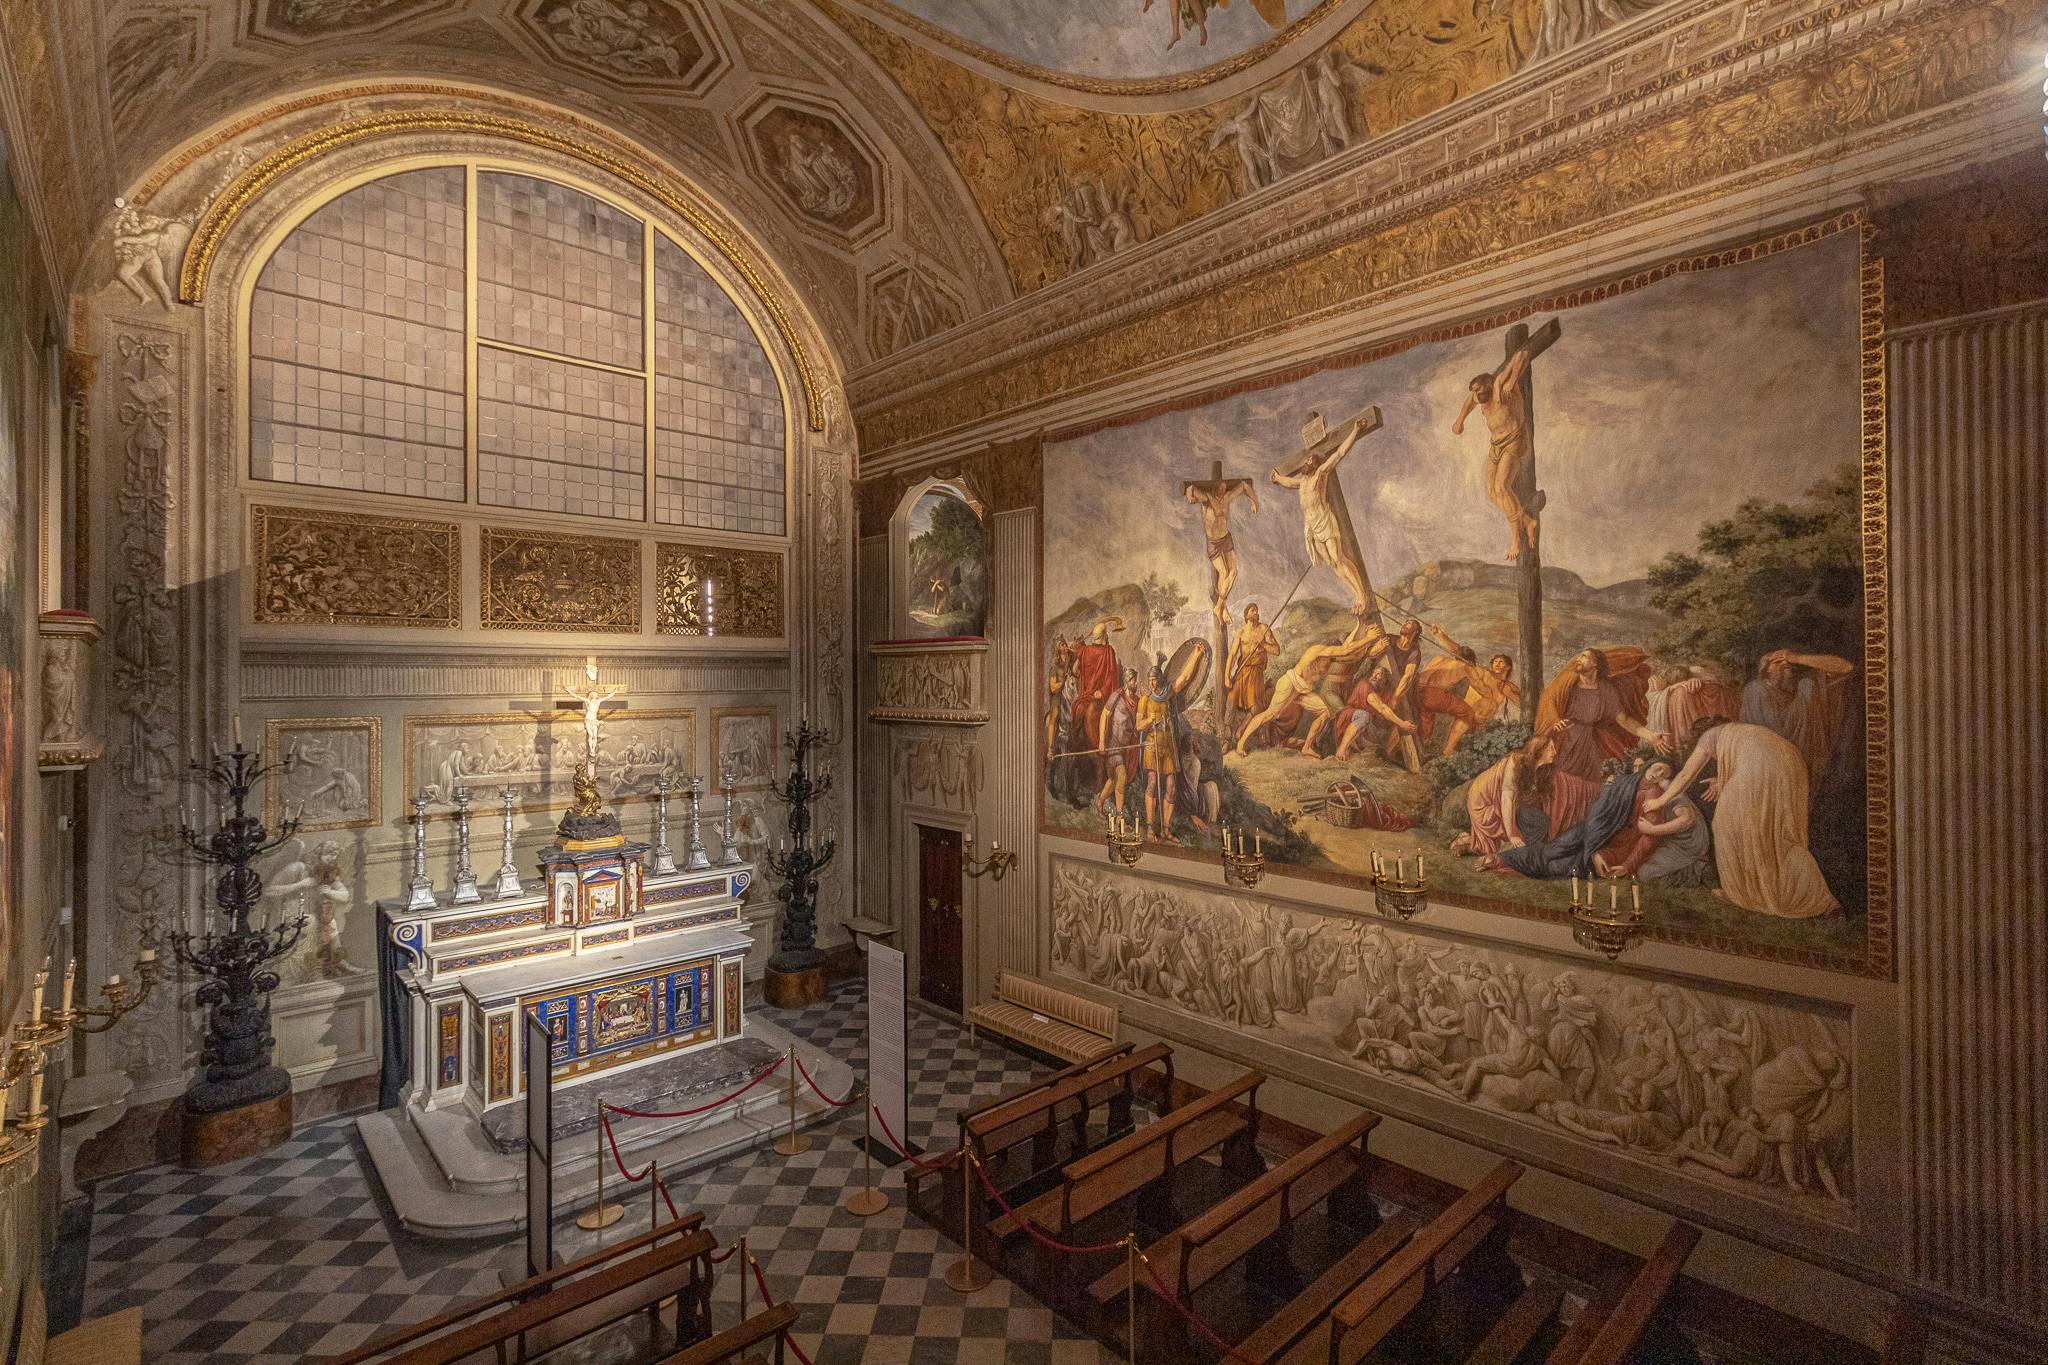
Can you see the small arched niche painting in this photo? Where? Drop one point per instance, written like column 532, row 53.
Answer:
column 947, row 559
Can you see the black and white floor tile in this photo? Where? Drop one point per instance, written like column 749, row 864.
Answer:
column 297, row 1252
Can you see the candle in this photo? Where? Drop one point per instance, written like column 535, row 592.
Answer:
column 35, row 1093
column 237, row 718
column 148, row 955
column 1401, row 870
column 1419, row 874
column 1575, row 888
column 1259, row 842
column 1635, row 896
column 1613, row 896
column 1378, row 870
column 113, row 983
column 35, row 1000
column 70, row 980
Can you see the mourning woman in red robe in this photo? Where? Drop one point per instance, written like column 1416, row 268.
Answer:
column 1595, row 711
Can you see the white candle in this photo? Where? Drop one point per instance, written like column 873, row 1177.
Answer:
column 35, row 1093
column 148, row 955
column 1419, row 874
column 1635, row 896
column 113, row 983
column 237, row 718
column 1259, row 842
column 1613, row 896
column 1575, row 888
column 70, row 980
column 35, row 999
column 1401, row 870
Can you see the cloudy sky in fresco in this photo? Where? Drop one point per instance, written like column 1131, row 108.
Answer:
column 1655, row 412
column 1099, row 38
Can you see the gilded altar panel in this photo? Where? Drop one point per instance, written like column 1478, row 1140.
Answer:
column 354, row 569
column 711, row 590
column 545, row 580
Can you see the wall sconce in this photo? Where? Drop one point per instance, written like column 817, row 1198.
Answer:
column 44, row 1030
column 1395, row 896
column 1125, row 841
column 994, row 865
column 1239, row 866
column 1611, row 932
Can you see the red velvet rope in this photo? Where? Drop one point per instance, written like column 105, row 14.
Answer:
column 836, row 1104
column 901, row 1150
column 761, row 1283
column 1042, row 1238
column 1204, row 1328
column 759, row 1077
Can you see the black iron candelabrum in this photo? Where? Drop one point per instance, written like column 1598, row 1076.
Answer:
column 799, row 863
column 234, row 958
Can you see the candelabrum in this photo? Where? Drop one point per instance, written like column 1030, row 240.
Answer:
column 664, row 856
column 1395, row 896
column 1125, row 841
column 694, row 856
column 508, row 870
column 464, row 892
column 1614, row 930
column 1244, row 868
column 27, row 1054
column 797, row 862
column 728, row 832
column 234, row 959
column 998, row 861
column 420, row 891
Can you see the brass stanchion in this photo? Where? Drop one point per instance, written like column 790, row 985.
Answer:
column 867, row 1201
column 600, row 1214
column 792, row 1143
column 746, row 1260
column 966, row 1275
column 1131, row 1294
column 653, row 1195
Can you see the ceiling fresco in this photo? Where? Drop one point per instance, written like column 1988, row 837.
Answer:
column 1129, row 45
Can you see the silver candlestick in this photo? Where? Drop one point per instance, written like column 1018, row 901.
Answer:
column 695, row 856
column 664, row 856
column 465, row 892
column 508, row 871
column 420, row 891
column 728, row 839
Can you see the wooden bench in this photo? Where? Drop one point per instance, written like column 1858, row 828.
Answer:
column 1036, row 1116
column 1610, row 1333
column 769, row 1324
column 550, row 1310
column 1475, row 1220
column 1282, row 1335
column 1131, row 1163
column 1248, row 1225
column 1044, row 1017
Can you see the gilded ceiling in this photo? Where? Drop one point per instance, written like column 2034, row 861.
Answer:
column 911, row 164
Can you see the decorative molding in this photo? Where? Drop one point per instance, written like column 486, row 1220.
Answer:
column 218, row 220
column 336, row 568
column 930, row 682
column 748, row 591
column 547, row 580
column 306, row 673
column 1004, row 476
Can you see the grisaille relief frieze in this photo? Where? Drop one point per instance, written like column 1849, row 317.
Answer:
column 544, row 580
column 710, row 590
column 934, row 684
column 335, row 778
column 352, row 569
column 1716, row 1086
column 939, row 768
column 536, row 753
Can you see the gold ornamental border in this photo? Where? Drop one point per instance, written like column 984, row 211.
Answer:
column 227, row 208
column 1295, row 31
column 1876, row 959
column 274, row 731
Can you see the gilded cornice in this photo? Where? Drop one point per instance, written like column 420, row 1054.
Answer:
column 1799, row 109
column 1021, row 153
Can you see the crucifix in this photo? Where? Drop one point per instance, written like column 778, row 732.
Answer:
column 1326, row 522
column 1508, row 399
column 1214, row 496
column 591, row 698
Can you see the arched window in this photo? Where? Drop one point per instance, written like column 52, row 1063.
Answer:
column 498, row 339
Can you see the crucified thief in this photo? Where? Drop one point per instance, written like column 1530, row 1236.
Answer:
column 1511, row 463
column 1214, row 496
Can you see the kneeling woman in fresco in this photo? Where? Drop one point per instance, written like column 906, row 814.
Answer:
column 1506, row 802
column 1595, row 710
column 1759, row 791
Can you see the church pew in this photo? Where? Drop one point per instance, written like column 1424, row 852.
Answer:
column 767, row 1325
column 1036, row 1117
column 581, row 1306
column 1609, row 1333
column 1532, row 1313
column 1282, row 1333
column 1105, row 1177
column 531, row 1287
column 1045, row 1082
column 1473, row 1229
column 1250, row 1224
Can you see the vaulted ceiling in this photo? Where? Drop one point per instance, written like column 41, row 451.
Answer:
column 911, row 164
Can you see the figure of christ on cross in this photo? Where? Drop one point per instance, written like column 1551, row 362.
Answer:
column 1326, row 522
column 591, row 698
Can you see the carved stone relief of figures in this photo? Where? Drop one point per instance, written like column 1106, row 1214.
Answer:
column 630, row 39
column 67, row 638
column 827, row 177
column 940, row 770
column 336, row 777
column 928, row 685
column 1299, row 120
column 536, row 755
column 1714, row 1085
column 147, row 246
column 314, row 885
column 1094, row 222
column 906, row 310
column 1567, row 23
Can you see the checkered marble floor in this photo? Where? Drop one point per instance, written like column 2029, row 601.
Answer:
column 297, row 1251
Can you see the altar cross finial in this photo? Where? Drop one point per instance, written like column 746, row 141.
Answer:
column 592, row 696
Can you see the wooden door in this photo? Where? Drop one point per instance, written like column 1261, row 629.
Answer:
column 939, row 884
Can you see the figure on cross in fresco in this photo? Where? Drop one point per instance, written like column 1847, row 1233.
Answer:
column 1325, row 523
column 1511, row 463
column 1214, row 496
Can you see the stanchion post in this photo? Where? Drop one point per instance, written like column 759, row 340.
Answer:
column 867, row 1201
column 966, row 1275
column 600, row 1214
column 792, row 1143
column 653, row 1195
column 1131, row 1297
